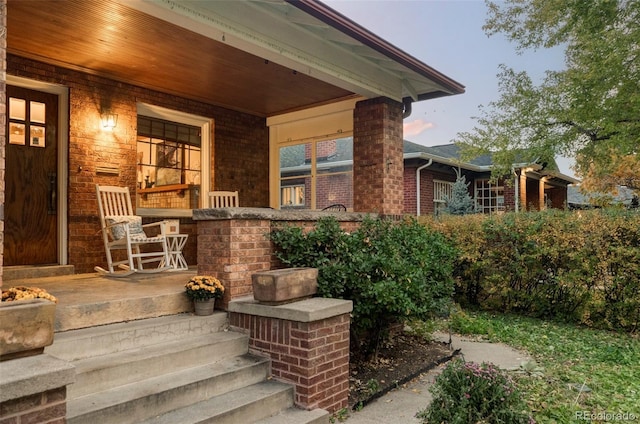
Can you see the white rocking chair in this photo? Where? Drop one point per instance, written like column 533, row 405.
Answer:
column 223, row 199
column 122, row 230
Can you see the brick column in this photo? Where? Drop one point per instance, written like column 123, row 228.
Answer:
column 378, row 157
column 232, row 250
column 308, row 343
column 541, row 203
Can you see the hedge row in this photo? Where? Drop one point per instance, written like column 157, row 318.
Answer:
column 578, row 266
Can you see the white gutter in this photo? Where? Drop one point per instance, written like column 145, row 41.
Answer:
column 447, row 161
column 517, row 190
column 418, row 185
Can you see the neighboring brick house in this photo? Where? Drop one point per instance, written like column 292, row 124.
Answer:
column 175, row 99
column 429, row 173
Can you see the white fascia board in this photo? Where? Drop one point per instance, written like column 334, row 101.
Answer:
column 206, row 18
column 447, row 161
column 329, row 109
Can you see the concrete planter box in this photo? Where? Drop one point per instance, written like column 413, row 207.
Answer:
column 284, row 285
column 26, row 327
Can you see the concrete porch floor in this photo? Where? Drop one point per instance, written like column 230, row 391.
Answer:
column 87, row 300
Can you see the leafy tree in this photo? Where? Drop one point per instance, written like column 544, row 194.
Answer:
column 590, row 110
column 460, row 202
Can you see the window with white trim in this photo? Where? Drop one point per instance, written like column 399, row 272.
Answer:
column 442, row 190
column 172, row 157
column 489, row 197
column 292, row 195
column 315, row 174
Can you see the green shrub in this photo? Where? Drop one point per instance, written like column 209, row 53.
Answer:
column 390, row 270
column 466, row 392
column 581, row 267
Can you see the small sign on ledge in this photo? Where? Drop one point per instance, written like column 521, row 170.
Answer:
column 171, row 226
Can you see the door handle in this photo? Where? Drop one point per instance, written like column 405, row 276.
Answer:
column 53, row 194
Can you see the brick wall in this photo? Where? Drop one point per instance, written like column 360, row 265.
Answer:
column 427, row 206
column 232, row 250
column 509, row 197
column 532, row 195
column 558, row 197
column 239, row 139
column 378, row 169
column 312, row 355
column 334, row 189
column 49, row 407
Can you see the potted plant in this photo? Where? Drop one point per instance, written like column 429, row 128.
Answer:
column 27, row 319
column 204, row 290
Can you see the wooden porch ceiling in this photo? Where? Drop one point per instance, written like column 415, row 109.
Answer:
column 264, row 57
column 109, row 39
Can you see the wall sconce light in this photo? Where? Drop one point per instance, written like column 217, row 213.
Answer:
column 108, row 119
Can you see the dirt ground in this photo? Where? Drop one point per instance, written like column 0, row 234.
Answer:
column 401, row 359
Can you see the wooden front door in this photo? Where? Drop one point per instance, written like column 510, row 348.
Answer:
column 30, row 233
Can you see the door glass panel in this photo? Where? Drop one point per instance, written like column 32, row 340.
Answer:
column 37, row 112
column 37, row 136
column 17, row 109
column 16, row 133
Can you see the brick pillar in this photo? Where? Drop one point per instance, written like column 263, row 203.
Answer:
column 232, row 250
column 3, row 122
column 33, row 389
column 378, row 157
column 45, row 407
column 541, row 203
column 308, row 344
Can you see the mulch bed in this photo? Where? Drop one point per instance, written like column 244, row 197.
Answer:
column 401, row 359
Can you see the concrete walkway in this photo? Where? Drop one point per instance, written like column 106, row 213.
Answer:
column 401, row 405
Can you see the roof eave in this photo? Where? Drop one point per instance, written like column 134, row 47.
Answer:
column 340, row 22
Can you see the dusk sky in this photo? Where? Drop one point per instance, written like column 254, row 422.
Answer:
column 447, row 35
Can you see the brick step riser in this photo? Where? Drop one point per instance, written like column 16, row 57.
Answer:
column 89, row 342
column 154, row 404
column 115, row 372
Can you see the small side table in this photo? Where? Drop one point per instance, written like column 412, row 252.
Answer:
column 175, row 244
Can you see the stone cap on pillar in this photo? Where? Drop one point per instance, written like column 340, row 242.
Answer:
column 274, row 214
column 308, row 310
column 34, row 374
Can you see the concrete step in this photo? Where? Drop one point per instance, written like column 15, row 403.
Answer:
column 24, row 275
column 102, row 312
column 297, row 416
column 149, row 398
column 247, row 405
column 105, row 372
column 89, row 300
column 84, row 343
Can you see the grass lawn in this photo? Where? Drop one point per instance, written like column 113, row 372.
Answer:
column 568, row 356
